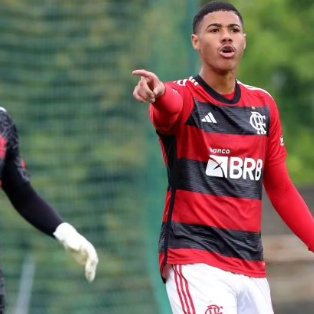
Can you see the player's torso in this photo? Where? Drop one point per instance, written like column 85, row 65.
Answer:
column 220, row 153
column 217, row 178
column 227, row 141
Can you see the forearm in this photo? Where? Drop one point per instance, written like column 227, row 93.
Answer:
column 33, row 208
column 289, row 204
column 166, row 110
column 37, row 212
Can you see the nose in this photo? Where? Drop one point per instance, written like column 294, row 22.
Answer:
column 225, row 36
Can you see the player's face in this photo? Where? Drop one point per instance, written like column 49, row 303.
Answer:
column 220, row 41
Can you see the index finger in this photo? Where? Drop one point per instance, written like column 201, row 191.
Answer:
column 90, row 270
column 144, row 73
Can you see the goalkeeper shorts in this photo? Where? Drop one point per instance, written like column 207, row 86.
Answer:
column 203, row 289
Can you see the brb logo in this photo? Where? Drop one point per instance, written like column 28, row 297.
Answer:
column 234, row 167
column 258, row 122
column 214, row 309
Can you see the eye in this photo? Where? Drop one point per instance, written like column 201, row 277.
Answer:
column 214, row 30
column 235, row 30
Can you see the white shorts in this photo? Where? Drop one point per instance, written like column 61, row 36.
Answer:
column 203, row 289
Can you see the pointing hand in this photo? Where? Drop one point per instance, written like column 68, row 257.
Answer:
column 149, row 87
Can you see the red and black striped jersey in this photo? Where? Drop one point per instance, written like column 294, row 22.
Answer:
column 215, row 155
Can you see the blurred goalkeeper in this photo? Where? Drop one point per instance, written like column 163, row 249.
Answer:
column 16, row 184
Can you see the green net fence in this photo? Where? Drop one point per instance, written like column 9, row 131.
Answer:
column 65, row 78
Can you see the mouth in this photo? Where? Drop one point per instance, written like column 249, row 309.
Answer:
column 227, row 51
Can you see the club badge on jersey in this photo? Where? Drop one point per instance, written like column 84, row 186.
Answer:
column 257, row 121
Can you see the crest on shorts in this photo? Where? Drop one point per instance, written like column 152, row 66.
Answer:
column 214, row 309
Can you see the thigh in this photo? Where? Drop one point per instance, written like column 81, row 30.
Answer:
column 200, row 289
column 255, row 298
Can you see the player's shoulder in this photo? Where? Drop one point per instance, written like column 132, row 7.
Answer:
column 5, row 117
column 184, row 86
column 183, row 83
column 256, row 91
column 4, row 113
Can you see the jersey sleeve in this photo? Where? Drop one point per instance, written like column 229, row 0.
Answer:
column 276, row 151
column 170, row 109
column 289, row 204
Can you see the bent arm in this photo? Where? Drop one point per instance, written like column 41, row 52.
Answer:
column 288, row 203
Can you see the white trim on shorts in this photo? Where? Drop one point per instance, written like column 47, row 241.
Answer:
column 183, row 290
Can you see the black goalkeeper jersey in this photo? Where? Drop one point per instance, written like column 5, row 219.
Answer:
column 16, row 183
column 12, row 169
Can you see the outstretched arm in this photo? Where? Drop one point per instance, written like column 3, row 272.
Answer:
column 289, row 204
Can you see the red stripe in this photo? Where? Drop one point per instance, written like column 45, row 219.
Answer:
column 182, row 289
column 176, row 278
column 254, row 145
column 187, row 290
column 221, row 212
column 235, row 265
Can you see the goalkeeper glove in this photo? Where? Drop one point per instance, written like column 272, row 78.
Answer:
column 81, row 250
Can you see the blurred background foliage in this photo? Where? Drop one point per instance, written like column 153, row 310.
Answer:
column 65, row 78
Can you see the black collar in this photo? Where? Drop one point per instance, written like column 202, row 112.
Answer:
column 217, row 96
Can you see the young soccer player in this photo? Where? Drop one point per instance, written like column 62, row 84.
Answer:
column 16, row 184
column 221, row 141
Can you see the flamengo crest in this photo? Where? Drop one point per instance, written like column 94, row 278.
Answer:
column 258, row 122
column 214, row 309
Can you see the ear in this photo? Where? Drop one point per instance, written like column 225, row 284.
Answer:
column 195, row 42
column 244, row 46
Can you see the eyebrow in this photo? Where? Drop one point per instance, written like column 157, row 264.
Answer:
column 219, row 25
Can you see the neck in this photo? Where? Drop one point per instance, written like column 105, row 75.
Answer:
column 222, row 83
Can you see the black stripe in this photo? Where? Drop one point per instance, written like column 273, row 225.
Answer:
column 230, row 243
column 170, row 147
column 228, row 120
column 191, row 177
column 169, row 144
